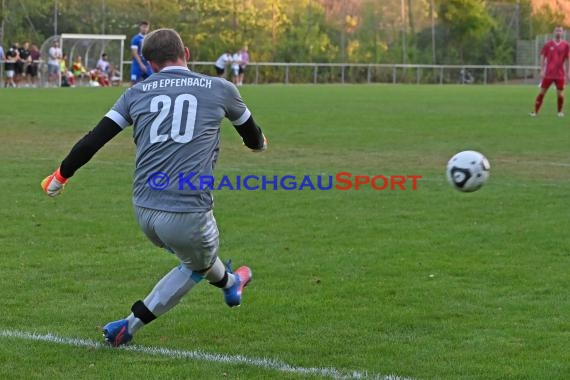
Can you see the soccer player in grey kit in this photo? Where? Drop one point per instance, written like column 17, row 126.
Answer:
column 176, row 116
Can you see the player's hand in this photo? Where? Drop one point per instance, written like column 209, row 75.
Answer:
column 143, row 68
column 263, row 148
column 53, row 184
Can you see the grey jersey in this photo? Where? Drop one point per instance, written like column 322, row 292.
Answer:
column 176, row 116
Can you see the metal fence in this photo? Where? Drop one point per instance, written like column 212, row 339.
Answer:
column 322, row 73
column 319, row 73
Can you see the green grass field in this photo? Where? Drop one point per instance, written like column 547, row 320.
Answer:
column 426, row 284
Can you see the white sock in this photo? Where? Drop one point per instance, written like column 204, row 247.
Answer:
column 216, row 273
column 166, row 294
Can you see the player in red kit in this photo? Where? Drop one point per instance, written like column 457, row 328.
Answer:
column 554, row 58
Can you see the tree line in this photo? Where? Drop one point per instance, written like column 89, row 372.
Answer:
column 330, row 31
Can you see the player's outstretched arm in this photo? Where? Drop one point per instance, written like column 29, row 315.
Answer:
column 79, row 155
column 252, row 135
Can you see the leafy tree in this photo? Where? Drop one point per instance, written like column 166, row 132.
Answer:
column 467, row 31
column 546, row 19
column 307, row 36
column 467, row 22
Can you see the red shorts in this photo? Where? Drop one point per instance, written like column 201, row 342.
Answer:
column 547, row 82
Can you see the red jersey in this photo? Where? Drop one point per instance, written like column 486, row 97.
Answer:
column 556, row 53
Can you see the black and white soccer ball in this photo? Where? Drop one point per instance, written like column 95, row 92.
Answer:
column 467, row 171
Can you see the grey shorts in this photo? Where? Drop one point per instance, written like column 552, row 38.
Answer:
column 193, row 237
column 53, row 69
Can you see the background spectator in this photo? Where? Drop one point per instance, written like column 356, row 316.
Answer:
column 2, row 56
column 10, row 66
column 236, row 61
column 78, row 70
column 221, row 63
column 67, row 77
column 22, row 64
column 32, row 69
column 54, row 55
column 244, row 62
column 103, row 64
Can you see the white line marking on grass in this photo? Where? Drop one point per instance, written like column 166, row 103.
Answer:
column 265, row 363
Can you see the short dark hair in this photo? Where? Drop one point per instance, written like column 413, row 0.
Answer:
column 163, row 45
column 143, row 22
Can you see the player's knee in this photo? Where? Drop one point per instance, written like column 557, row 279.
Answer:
column 204, row 272
column 204, row 261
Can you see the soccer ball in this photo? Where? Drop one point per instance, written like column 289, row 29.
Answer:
column 467, row 171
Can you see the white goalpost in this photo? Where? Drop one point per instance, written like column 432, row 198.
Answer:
column 89, row 47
